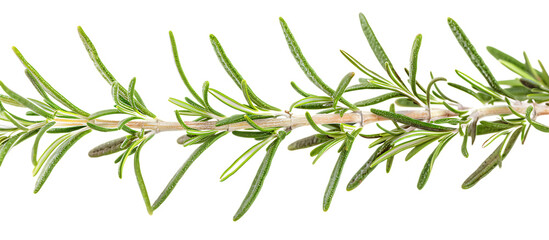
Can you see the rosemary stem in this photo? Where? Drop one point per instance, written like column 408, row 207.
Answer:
column 300, row 121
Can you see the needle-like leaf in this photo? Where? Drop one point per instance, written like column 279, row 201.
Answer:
column 94, row 56
column 426, row 172
column 474, row 57
column 314, row 125
column 341, row 89
column 181, row 171
column 309, row 141
column 34, row 150
column 413, row 63
column 243, row 159
column 235, row 75
column 7, row 145
column 25, row 102
column 259, row 178
column 484, row 169
column 139, row 176
column 338, row 168
column 180, row 70
column 374, row 44
column 56, row 156
column 367, row 168
column 536, row 124
column 302, row 62
column 112, row 146
column 410, row 121
column 56, row 95
column 239, row 118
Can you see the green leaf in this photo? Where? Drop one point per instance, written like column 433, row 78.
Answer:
column 181, row 171
column 535, row 124
column 131, row 93
column 94, row 56
column 27, row 135
column 413, row 63
column 341, row 89
column 234, row 104
column 25, row 102
column 396, row 79
column 126, row 154
column 7, row 145
column 389, row 164
column 34, row 150
column 426, row 172
column 102, row 113
column 531, row 83
column 320, row 150
column 464, row 151
column 110, row 147
column 243, row 159
column 11, row 118
column 56, row 95
column 314, row 125
column 205, row 91
column 99, row 128
column 124, row 121
column 302, row 62
column 431, row 83
column 233, row 73
column 544, row 75
column 310, row 100
column 307, row 69
column 255, row 126
column 378, row 99
column 367, row 168
column 417, row 149
column 510, row 143
column 478, row 86
column 259, row 178
column 247, row 95
column 316, row 105
column 465, row 90
column 299, row 90
column 239, row 118
column 64, row 129
column 180, row 70
column 450, row 120
column 517, row 69
column 403, row 146
column 139, row 176
column 410, row 121
column 38, row 86
column 374, row 44
column 531, row 69
column 361, row 67
column 362, row 86
column 56, row 156
column 8, row 100
column 338, row 168
column 406, row 102
column 47, row 152
column 90, row 48
column 501, row 56
column 474, row 57
column 191, row 108
column 251, row 134
column 309, row 141
column 484, row 169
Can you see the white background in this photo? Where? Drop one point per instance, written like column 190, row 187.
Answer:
column 84, row 199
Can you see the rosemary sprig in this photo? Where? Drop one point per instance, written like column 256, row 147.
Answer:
column 513, row 106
